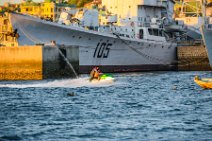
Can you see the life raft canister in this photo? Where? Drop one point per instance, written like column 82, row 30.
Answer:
column 132, row 24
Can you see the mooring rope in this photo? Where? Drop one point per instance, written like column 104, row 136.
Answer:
column 142, row 53
column 67, row 61
column 186, row 62
column 33, row 39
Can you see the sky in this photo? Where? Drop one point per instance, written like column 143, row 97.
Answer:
column 15, row 1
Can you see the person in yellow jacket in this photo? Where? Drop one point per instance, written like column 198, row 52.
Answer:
column 95, row 73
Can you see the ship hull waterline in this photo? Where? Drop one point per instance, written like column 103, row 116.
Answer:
column 110, row 52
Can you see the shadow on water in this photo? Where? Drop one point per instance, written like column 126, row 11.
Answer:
column 10, row 138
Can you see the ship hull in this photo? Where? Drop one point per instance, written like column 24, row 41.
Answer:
column 111, row 52
column 207, row 37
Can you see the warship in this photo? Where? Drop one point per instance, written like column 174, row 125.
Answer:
column 123, row 44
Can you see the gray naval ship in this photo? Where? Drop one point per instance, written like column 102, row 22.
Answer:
column 132, row 43
column 207, row 30
column 207, row 38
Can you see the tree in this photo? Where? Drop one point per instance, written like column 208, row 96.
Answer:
column 29, row 1
column 48, row 0
column 79, row 3
column 72, row 2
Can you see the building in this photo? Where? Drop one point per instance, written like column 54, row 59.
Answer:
column 139, row 10
column 30, row 8
column 7, row 7
column 209, row 8
column 45, row 10
column 48, row 10
column 7, row 38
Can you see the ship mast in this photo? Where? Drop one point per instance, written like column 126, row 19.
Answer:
column 196, row 10
column 203, row 11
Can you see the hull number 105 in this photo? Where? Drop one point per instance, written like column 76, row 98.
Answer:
column 102, row 50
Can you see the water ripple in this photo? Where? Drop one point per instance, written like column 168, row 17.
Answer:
column 138, row 106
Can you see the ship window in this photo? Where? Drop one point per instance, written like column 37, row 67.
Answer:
column 155, row 32
column 139, row 18
column 141, row 34
column 150, row 31
column 160, row 33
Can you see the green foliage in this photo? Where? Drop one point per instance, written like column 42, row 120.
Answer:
column 29, row 1
column 48, row 0
column 79, row 3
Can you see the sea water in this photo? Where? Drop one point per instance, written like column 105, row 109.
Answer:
column 136, row 106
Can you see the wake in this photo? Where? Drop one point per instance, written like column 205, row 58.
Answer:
column 63, row 83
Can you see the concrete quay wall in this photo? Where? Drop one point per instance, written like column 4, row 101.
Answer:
column 21, row 63
column 37, row 62
column 54, row 63
column 192, row 58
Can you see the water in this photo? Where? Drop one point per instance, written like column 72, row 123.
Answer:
column 137, row 106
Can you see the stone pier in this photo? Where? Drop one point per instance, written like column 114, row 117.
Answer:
column 192, row 58
column 37, row 62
